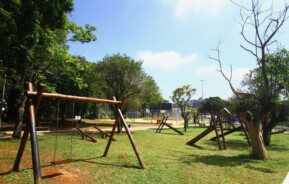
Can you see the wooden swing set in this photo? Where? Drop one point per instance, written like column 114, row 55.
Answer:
column 33, row 102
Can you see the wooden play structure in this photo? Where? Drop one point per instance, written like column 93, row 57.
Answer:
column 33, row 102
column 164, row 123
column 242, row 127
column 217, row 126
column 86, row 136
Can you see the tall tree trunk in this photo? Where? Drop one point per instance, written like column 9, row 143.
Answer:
column 186, row 123
column 20, row 116
column 267, row 136
column 256, row 135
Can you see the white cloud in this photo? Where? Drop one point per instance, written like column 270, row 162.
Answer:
column 207, row 70
column 184, row 9
column 238, row 74
column 165, row 60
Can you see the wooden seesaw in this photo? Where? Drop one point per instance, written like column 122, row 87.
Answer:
column 164, row 123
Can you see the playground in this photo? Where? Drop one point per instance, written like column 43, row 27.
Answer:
column 165, row 154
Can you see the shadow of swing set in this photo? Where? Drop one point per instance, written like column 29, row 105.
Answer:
column 33, row 102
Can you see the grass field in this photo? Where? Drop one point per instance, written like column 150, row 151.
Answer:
column 167, row 157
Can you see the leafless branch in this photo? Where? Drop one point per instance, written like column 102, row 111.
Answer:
column 218, row 59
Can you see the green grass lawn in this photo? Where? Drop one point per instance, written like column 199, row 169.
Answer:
column 166, row 155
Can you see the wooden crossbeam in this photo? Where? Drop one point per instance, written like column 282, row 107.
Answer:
column 73, row 98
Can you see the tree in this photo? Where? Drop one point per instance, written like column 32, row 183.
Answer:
column 264, row 24
column 181, row 97
column 212, row 104
column 277, row 70
column 150, row 94
column 120, row 76
column 33, row 36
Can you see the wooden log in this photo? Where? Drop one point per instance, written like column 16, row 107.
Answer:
column 103, row 132
column 73, row 98
column 171, row 127
column 85, row 135
column 113, row 130
column 34, row 140
column 131, row 140
column 228, row 132
column 161, row 123
column 201, row 135
column 27, row 129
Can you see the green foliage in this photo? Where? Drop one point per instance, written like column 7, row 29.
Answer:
column 277, row 67
column 120, row 75
column 83, row 35
column 181, row 97
column 212, row 104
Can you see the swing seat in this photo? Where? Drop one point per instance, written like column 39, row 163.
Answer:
column 58, row 162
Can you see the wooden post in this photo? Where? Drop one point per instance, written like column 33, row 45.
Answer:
column 112, row 132
column 31, row 128
column 131, row 140
column 26, row 131
column 120, row 119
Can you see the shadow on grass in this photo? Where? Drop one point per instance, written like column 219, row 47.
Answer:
column 239, row 145
column 51, row 175
column 90, row 160
column 274, row 147
column 168, row 133
column 6, row 139
column 196, row 146
column 216, row 160
column 259, row 169
column 6, row 173
column 223, row 161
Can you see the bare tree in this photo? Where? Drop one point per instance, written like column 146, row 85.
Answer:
column 263, row 23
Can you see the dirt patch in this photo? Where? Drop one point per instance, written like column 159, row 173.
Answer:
column 123, row 156
column 56, row 175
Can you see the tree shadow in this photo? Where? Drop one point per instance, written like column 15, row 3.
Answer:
column 216, row 160
column 274, row 147
column 259, row 169
column 239, row 145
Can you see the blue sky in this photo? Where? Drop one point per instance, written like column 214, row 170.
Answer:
column 172, row 37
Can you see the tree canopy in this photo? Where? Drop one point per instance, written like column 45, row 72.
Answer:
column 212, row 104
column 181, row 96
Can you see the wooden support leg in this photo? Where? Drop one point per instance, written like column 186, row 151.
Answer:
column 31, row 128
column 110, row 137
column 131, row 139
column 21, row 149
column 161, row 122
column 34, row 144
